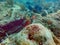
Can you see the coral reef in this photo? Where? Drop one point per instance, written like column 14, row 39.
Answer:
column 51, row 21
column 36, row 31
column 14, row 16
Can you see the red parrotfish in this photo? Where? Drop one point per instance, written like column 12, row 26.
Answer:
column 13, row 27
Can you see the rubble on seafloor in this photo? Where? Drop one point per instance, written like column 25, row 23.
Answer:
column 51, row 21
column 8, row 14
column 19, row 11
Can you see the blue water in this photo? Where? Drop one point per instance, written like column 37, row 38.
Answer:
column 2, row 0
column 39, row 5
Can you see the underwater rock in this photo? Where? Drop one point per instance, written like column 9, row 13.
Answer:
column 34, row 8
column 37, row 9
column 9, row 2
column 29, row 6
column 31, row 35
column 44, row 13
